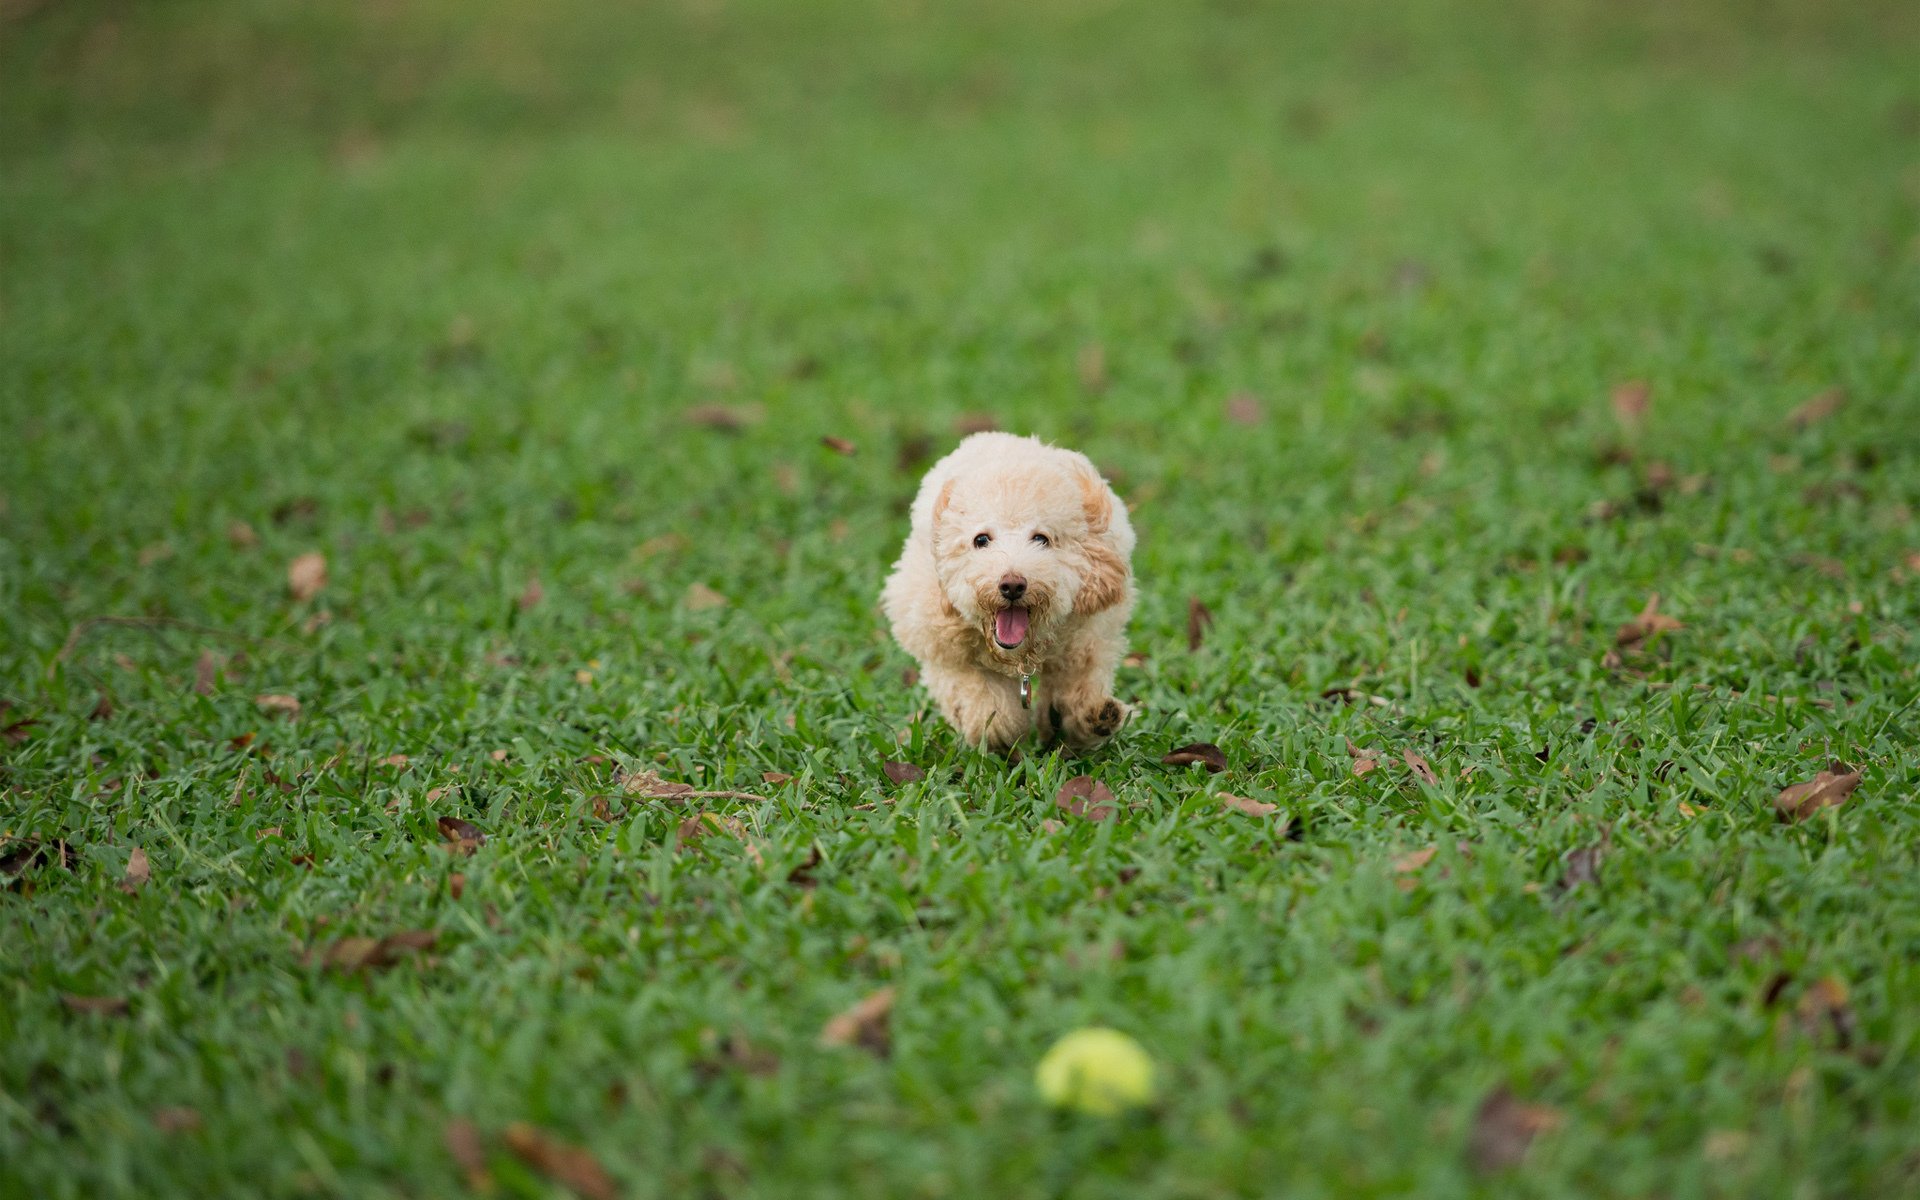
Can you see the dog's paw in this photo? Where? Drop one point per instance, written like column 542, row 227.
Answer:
column 1095, row 723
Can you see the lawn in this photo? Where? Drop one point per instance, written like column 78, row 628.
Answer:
column 595, row 353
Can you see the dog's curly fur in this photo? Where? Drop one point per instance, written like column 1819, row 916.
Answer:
column 1006, row 525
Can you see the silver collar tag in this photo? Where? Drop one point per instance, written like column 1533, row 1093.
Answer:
column 1026, row 691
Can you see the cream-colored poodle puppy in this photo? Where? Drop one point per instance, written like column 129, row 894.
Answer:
column 1013, row 592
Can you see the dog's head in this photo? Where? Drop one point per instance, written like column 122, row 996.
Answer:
column 1026, row 545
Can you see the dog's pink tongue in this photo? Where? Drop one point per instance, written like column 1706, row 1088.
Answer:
column 1010, row 627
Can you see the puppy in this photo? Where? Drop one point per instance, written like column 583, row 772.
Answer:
column 1013, row 592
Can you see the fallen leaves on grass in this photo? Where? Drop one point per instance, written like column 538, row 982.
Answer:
column 105, row 1006
column 573, row 1167
column 866, row 1024
column 1829, row 789
column 469, row 1153
column 1818, row 408
column 1630, row 404
column 241, row 536
column 278, row 704
column 802, row 874
column 1583, row 863
column 20, row 855
column 699, row 825
column 1364, row 760
column 901, row 772
column 1085, row 796
column 306, row 575
column 701, row 598
column 1420, row 768
column 1199, row 620
column 1243, row 408
column 177, row 1119
column 460, row 836
column 1825, row 1004
column 1648, row 624
column 839, row 445
column 726, row 418
column 1411, row 862
column 531, row 595
column 206, row 672
column 775, row 778
column 1504, row 1128
column 137, row 874
column 1205, row 753
column 649, row 783
column 352, row 954
column 1252, row 808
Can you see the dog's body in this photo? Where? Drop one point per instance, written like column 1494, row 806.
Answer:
column 1019, row 565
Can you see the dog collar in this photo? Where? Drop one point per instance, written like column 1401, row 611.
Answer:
column 1026, row 689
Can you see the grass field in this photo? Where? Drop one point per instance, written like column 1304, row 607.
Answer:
column 1428, row 341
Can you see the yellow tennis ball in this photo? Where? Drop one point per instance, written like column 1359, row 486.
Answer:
column 1099, row 1071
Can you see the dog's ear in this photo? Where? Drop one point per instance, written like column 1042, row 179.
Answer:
column 1105, row 583
column 1097, row 499
column 940, row 503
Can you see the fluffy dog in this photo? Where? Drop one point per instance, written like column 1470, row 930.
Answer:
column 1013, row 592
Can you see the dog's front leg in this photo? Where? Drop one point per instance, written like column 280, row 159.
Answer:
column 984, row 707
column 1077, row 694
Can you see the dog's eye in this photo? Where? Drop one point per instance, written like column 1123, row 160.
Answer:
column 1043, row 539
column 981, row 539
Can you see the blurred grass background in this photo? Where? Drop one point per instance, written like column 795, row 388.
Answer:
column 442, row 291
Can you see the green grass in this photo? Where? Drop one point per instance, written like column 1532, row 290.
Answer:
column 429, row 288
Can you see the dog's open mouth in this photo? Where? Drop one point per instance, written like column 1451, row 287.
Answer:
column 1010, row 627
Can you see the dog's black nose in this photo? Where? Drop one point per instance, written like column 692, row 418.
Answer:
column 1012, row 587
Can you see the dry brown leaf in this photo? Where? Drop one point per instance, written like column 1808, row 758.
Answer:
column 1630, row 404
column 177, row 1119
column 573, row 1167
column 531, row 594
column 1085, row 796
column 1817, row 408
column 456, row 885
column 699, row 825
column 802, row 875
column 1583, row 863
column 460, row 836
column 1364, row 760
column 1243, row 408
column 1504, row 1128
column 1828, row 789
column 469, row 1153
column 278, row 705
column 901, row 772
column 700, row 598
column 1825, row 1004
column 1199, row 620
column 206, row 672
column 137, row 872
column 106, row 1006
column 350, row 954
column 775, row 778
column 1205, row 753
column 306, row 575
column 665, row 543
column 241, row 536
column 727, row 418
column 1650, row 622
column 839, row 445
column 102, row 709
column 866, row 1024
column 1252, row 808
column 649, row 783
column 1413, row 860
column 1419, row 767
